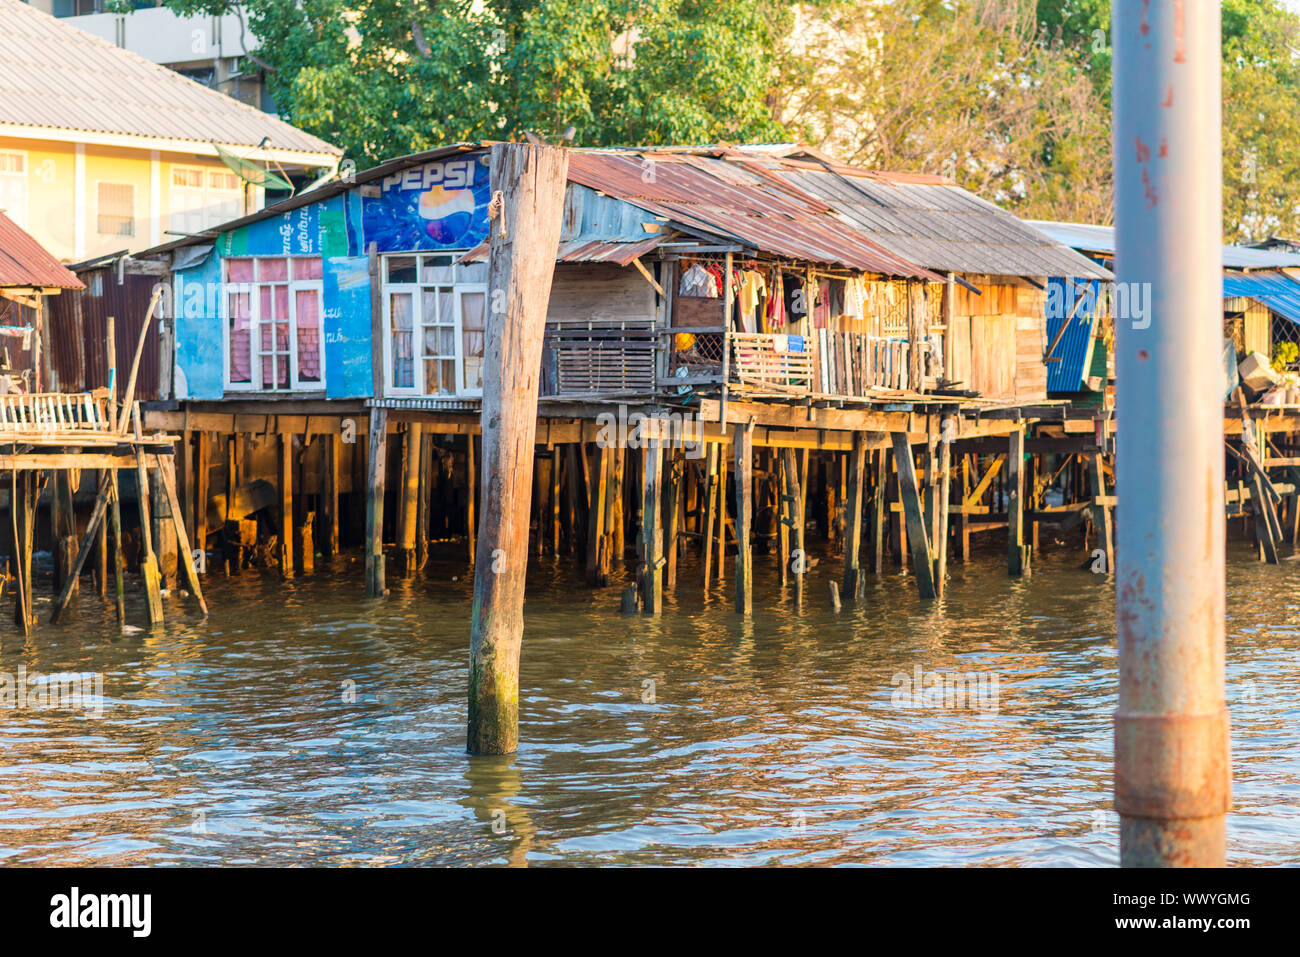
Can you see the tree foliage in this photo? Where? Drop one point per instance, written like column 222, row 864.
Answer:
column 1009, row 97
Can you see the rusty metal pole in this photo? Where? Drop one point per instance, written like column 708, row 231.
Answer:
column 1172, row 773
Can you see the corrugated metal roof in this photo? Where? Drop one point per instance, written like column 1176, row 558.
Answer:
column 1101, row 239
column 936, row 223
column 736, row 200
column 586, row 251
column 1278, row 292
column 25, row 262
column 56, row 75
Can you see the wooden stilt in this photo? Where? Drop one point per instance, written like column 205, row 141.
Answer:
column 652, row 532
column 21, row 562
column 673, row 473
column 528, row 182
column 378, row 440
column 710, row 507
column 784, row 511
column 284, row 488
column 186, row 553
column 331, row 449
column 744, row 472
column 164, row 536
column 794, row 508
column 573, row 475
column 101, row 550
column 1101, row 506
column 910, row 495
column 115, row 526
column 408, row 517
column 965, row 510
column 148, row 563
column 202, row 466
column 943, row 492
column 556, row 463
column 471, row 492
column 720, row 547
column 853, row 517
column 424, row 505
column 597, row 514
column 304, row 518
column 1017, row 557
column 878, row 488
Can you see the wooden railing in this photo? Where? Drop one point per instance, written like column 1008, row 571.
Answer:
column 600, row 362
column 824, row 363
column 46, row 412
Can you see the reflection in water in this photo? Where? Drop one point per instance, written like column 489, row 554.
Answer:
column 303, row 724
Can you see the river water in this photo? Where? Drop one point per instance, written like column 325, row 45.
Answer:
column 302, row 724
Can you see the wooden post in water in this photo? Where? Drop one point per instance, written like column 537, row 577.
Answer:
column 1017, row 556
column 597, row 539
column 471, row 494
column 202, row 466
column 853, row 524
column 712, row 455
column 672, row 515
column 944, row 491
column 408, row 513
column 284, row 483
column 333, row 443
column 378, row 439
column 794, row 518
column 910, row 495
column 652, row 533
column 744, row 448
column 528, row 197
column 878, row 514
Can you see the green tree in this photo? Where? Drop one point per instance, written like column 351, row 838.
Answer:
column 382, row 78
column 1261, row 96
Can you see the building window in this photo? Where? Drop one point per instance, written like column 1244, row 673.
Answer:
column 203, row 198
column 434, row 321
column 13, row 186
column 116, row 209
column 273, row 323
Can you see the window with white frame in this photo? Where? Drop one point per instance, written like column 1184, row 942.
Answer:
column 435, row 313
column 115, row 209
column 13, row 186
column 202, row 198
column 273, row 324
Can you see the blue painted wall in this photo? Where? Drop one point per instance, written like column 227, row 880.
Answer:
column 440, row 205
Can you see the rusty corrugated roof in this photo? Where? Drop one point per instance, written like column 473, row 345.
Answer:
column 25, row 262
column 725, row 194
column 58, row 76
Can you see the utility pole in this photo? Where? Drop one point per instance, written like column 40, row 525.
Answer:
column 1172, row 771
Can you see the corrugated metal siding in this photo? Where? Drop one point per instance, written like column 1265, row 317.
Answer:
column 25, row 262
column 79, row 357
column 1076, row 345
column 58, row 76
column 1275, row 290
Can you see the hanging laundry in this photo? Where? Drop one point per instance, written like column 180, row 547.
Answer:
column 821, row 311
column 855, row 295
column 751, row 290
column 776, row 315
column 796, row 299
column 697, row 281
